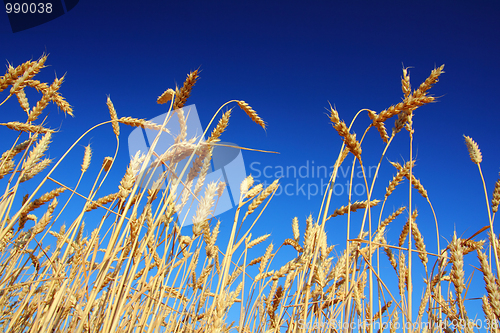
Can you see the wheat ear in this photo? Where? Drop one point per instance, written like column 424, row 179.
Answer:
column 183, row 93
column 24, row 127
column 252, row 114
column 114, row 117
column 474, row 152
column 166, row 96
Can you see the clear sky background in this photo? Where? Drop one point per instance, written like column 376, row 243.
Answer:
column 287, row 59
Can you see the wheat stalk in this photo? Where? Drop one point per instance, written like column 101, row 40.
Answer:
column 182, row 94
column 251, row 113
column 114, row 117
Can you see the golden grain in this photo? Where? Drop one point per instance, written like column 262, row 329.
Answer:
column 114, row 117
column 182, row 94
column 221, row 127
column 496, row 197
column 257, row 241
column 166, row 96
column 474, row 152
column 354, row 207
column 35, row 169
column 24, row 127
column 251, row 113
column 262, row 196
column 134, row 122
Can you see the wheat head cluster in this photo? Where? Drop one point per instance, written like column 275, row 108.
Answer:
column 139, row 270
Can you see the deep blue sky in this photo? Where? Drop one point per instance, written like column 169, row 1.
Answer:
column 287, row 60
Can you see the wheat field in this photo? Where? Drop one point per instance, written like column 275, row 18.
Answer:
column 140, row 271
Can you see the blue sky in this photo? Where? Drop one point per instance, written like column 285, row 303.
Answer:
column 287, row 60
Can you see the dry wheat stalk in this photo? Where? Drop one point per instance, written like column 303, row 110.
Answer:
column 23, row 100
column 220, row 189
column 257, row 241
column 394, row 321
column 468, row 245
column 384, row 309
column 252, row 114
column 406, row 228
column 114, row 117
column 6, row 166
column 293, row 243
column 254, row 191
column 295, row 228
column 353, row 207
column 491, row 284
column 349, row 139
column 245, row 185
column 24, row 127
column 204, row 208
column 496, row 197
column 35, row 169
column 86, row 158
column 45, row 220
column 221, row 127
column 488, row 311
column 56, row 96
column 13, row 73
column 429, row 82
column 203, row 172
column 419, row 240
column 46, row 98
column 389, row 219
column 182, row 94
column 414, row 181
column 474, row 152
column 129, row 178
column 33, row 69
column 379, row 126
column 266, row 257
column 402, row 274
column 405, row 83
column 410, row 103
column 134, row 122
column 166, row 96
column 42, row 200
column 37, row 152
column 262, row 196
column 101, row 201
column 182, row 126
column 398, row 178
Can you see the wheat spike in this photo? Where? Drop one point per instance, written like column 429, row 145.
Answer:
column 24, row 127
column 257, row 241
column 182, row 94
column 114, row 117
column 252, row 114
column 46, row 98
column 295, row 229
column 35, row 169
column 134, row 122
column 86, row 158
column 349, row 139
column 474, row 152
column 496, row 197
column 37, row 152
column 221, row 127
column 166, row 96
column 262, row 196
column 353, row 207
